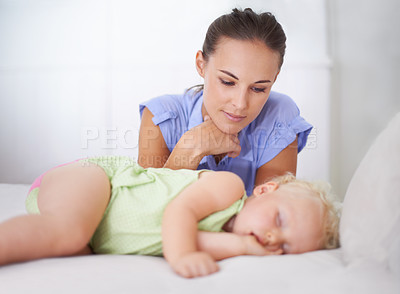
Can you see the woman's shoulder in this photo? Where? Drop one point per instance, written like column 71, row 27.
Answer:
column 281, row 104
column 278, row 124
column 172, row 104
column 278, row 108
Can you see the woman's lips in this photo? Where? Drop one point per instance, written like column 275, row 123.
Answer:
column 233, row 117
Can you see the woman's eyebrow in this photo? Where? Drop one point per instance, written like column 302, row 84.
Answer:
column 236, row 78
column 262, row 81
column 229, row 74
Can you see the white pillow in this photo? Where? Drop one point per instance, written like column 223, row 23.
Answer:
column 370, row 223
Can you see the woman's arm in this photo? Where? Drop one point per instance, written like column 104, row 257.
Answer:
column 153, row 151
column 214, row 191
column 285, row 161
column 202, row 140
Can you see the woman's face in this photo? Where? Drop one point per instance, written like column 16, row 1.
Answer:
column 237, row 81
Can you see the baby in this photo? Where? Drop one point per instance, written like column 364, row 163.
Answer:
column 111, row 205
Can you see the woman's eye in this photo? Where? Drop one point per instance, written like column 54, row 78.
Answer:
column 226, row 83
column 258, row 90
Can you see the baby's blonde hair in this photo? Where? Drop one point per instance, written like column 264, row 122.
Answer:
column 332, row 206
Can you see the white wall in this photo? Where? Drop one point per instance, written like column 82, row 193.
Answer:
column 74, row 70
column 366, row 73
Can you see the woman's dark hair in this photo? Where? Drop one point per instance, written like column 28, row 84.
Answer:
column 246, row 25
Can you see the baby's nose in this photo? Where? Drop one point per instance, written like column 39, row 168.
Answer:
column 273, row 238
column 274, row 243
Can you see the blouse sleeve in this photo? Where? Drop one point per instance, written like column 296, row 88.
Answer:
column 169, row 115
column 277, row 126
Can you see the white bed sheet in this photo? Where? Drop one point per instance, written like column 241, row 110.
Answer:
column 315, row 272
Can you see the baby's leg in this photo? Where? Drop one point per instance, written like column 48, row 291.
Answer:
column 72, row 200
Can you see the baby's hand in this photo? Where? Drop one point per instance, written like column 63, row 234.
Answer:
column 253, row 247
column 195, row 264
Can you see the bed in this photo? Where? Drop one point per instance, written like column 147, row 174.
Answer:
column 368, row 261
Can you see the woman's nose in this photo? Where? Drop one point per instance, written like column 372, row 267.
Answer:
column 239, row 101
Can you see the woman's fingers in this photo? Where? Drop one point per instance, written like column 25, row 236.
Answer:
column 235, row 146
column 214, row 141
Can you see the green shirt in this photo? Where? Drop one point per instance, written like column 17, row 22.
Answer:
column 132, row 221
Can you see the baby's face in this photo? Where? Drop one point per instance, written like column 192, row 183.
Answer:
column 286, row 220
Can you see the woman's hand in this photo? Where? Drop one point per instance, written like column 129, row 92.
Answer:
column 202, row 140
column 195, row 264
column 207, row 139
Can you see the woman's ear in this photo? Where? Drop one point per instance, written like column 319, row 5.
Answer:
column 200, row 63
column 265, row 188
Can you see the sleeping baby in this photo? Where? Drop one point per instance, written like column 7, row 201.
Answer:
column 111, row 205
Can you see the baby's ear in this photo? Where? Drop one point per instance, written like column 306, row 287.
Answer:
column 265, row 188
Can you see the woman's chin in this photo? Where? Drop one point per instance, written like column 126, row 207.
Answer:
column 229, row 129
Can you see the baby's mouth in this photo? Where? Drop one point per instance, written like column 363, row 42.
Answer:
column 259, row 239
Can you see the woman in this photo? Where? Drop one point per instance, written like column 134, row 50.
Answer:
column 233, row 122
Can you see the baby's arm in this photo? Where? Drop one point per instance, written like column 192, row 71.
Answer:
column 221, row 245
column 214, row 191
